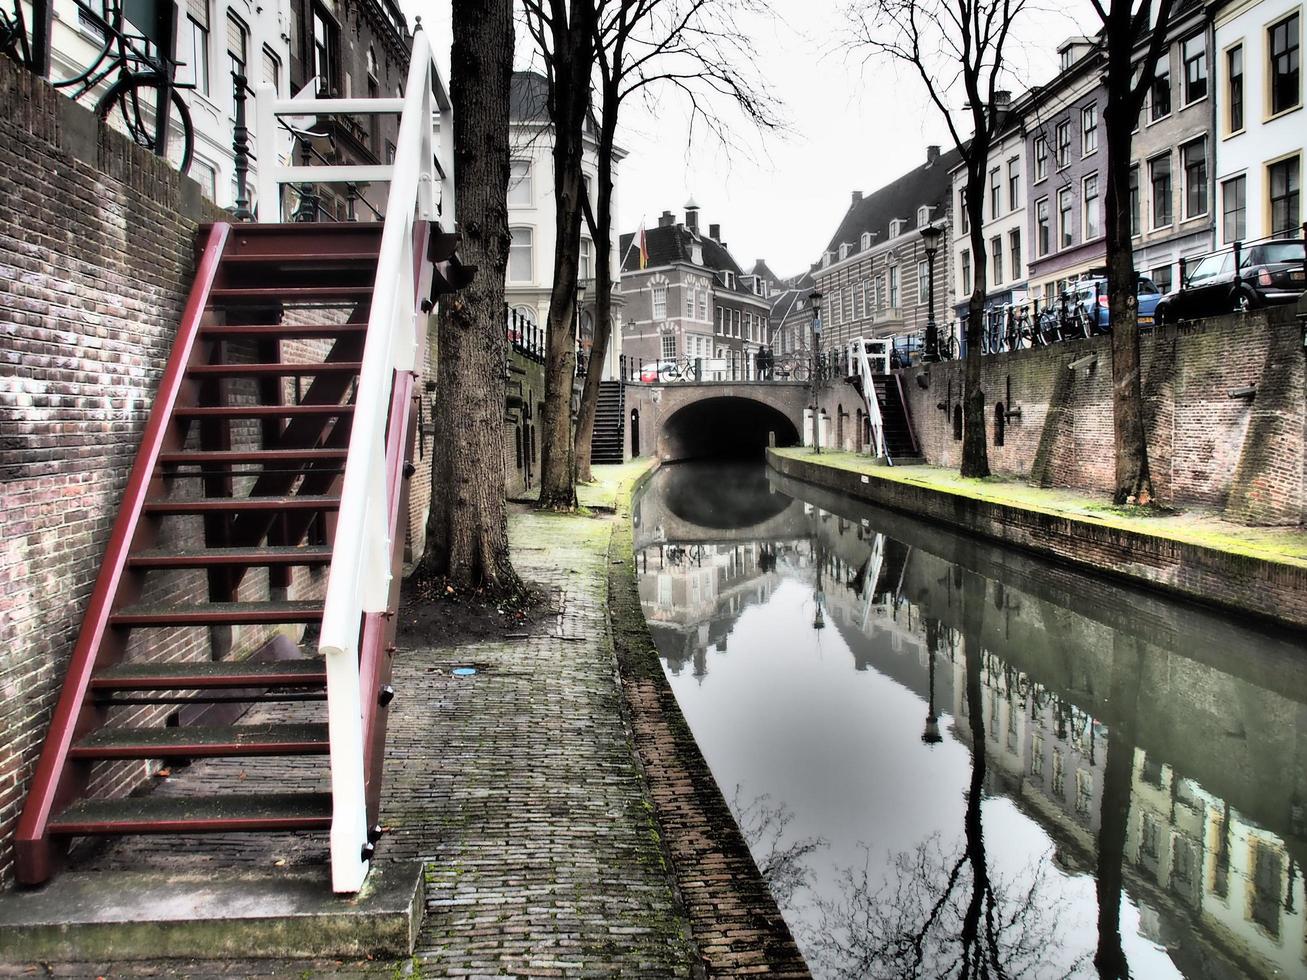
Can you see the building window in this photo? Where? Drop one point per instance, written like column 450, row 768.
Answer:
column 996, row 259
column 520, row 261
column 1194, row 159
column 1013, row 184
column 1161, row 100
column 1041, row 226
column 196, row 72
column 719, row 321
column 1194, row 53
column 660, row 301
column 1089, row 130
column 272, row 69
column 206, row 175
column 703, row 304
column 1041, row 158
column 238, row 36
column 1065, row 227
column 520, row 192
column 964, row 217
column 964, row 272
column 1282, row 41
column 845, row 249
column 1234, row 209
column 923, row 281
column 689, row 300
column 1134, row 200
column 848, row 303
column 669, row 347
column 995, row 193
column 1283, row 183
column 860, row 303
column 326, row 48
column 894, row 287
column 1161, row 277
column 583, row 265
column 1093, row 225
column 1014, row 250
column 1234, row 88
column 1159, row 180
column 1063, row 135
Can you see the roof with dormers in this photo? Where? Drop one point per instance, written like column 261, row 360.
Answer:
column 669, row 244
column 927, row 184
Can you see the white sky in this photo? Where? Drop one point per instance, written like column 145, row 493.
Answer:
column 852, row 126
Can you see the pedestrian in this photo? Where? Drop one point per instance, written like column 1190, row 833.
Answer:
column 759, row 363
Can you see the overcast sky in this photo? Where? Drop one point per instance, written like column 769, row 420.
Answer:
column 852, row 126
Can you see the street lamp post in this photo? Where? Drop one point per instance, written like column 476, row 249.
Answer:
column 930, row 236
column 931, row 735
column 815, row 299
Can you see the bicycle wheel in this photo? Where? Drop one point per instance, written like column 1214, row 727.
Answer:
column 800, row 373
column 131, row 105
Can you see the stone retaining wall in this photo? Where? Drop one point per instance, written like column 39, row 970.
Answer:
column 1272, row 591
column 1245, row 455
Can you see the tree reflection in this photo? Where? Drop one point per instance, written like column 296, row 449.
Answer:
column 941, row 913
column 782, row 863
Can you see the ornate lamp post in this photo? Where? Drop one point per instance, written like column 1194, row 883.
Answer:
column 815, row 299
column 930, row 236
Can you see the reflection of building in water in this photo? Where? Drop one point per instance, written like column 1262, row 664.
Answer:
column 1208, row 882
column 692, row 594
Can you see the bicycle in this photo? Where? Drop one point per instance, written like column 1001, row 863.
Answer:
column 143, row 83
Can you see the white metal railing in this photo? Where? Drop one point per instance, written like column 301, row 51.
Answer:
column 858, row 353
column 359, row 579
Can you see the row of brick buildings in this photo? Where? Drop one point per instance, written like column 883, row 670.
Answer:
column 1218, row 158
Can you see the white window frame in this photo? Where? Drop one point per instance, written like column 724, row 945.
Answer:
column 530, row 253
column 1090, row 233
column 658, row 300
column 527, row 182
column 1089, row 130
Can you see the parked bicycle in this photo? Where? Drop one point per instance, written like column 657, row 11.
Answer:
column 140, row 95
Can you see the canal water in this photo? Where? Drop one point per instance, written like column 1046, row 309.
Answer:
column 953, row 759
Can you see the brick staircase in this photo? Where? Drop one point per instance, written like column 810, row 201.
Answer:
column 606, row 446
column 900, row 439
column 216, row 565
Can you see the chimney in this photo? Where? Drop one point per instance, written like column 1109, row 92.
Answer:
column 692, row 215
column 666, row 220
column 857, row 196
column 715, row 232
column 932, row 154
column 1002, row 97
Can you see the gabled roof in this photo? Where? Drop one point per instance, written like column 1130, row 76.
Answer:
column 675, row 243
column 928, row 184
column 760, row 268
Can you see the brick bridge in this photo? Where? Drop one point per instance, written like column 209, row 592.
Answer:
column 689, row 419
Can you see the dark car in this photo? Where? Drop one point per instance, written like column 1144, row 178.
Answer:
column 1270, row 274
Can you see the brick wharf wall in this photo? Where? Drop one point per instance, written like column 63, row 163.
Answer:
column 1243, row 456
column 95, row 262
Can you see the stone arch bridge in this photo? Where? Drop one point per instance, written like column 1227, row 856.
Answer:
column 694, row 419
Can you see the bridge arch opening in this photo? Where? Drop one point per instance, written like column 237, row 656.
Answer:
column 725, row 427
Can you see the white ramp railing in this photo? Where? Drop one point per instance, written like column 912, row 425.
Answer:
column 359, row 579
column 862, row 360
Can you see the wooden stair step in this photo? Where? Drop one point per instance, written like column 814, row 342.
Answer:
column 196, row 457
column 211, row 674
column 283, row 330
column 229, row 296
column 218, row 614
column 278, row 370
column 233, row 505
column 241, row 557
column 196, row 741
column 273, row 260
column 259, row 411
column 157, row 814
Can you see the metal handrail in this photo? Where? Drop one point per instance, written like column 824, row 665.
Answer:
column 361, row 569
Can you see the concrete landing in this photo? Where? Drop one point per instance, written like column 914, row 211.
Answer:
column 115, row 916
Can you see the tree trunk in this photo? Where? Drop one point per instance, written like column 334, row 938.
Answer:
column 1134, row 483
column 467, row 528
column 569, row 103
column 603, row 328
column 975, row 451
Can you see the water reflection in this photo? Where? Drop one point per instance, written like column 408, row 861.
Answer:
column 1027, row 772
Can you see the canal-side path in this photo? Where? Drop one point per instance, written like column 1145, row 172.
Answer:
column 553, row 846
column 1192, row 552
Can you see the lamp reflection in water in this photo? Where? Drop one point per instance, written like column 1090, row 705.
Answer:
column 818, row 596
column 931, row 735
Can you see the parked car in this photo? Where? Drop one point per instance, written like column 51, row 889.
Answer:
column 1269, row 274
column 1091, row 294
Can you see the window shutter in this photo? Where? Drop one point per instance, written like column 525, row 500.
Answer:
column 236, row 34
column 271, row 69
column 198, row 10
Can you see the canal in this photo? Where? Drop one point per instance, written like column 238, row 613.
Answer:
column 950, row 758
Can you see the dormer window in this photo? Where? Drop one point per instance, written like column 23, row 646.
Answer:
column 728, row 279
column 844, row 251
column 896, row 227
column 923, row 216
column 827, row 258
column 865, row 242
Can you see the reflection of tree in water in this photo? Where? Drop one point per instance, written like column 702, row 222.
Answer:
column 943, row 914
column 782, row 863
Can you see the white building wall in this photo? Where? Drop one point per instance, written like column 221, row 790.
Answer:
column 1265, row 139
column 1009, row 218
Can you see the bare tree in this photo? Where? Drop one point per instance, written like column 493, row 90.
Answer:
column 1127, row 24
column 695, row 48
column 782, row 861
column 952, row 45
column 467, row 527
column 564, row 32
